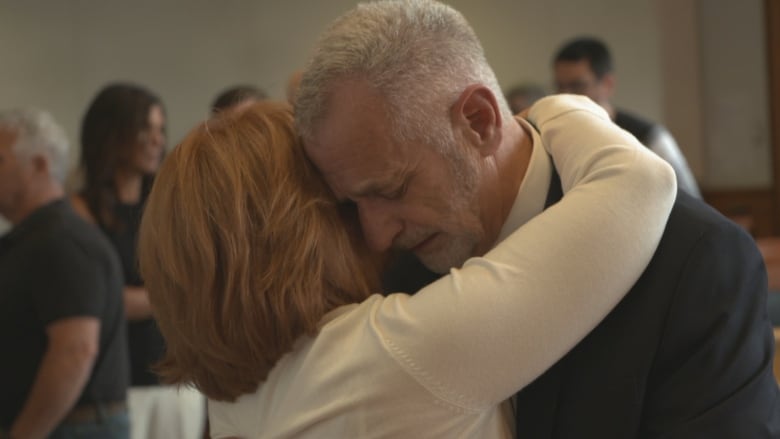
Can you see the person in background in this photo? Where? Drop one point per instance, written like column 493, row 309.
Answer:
column 292, row 86
column 122, row 144
column 4, row 226
column 522, row 96
column 418, row 139
column 237, row 97
column 584, row 66
column 64, row 371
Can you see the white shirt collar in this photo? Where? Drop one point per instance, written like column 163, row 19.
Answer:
column 533, row 190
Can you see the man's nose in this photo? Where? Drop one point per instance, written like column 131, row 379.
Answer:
column 380, row 222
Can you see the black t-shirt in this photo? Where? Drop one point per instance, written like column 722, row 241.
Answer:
column 54, row 265
column 146, row 343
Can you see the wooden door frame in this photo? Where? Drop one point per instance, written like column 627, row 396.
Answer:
column 759, row 209
column 772, row 13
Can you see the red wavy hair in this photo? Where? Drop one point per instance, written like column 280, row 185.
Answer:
column 243, row 249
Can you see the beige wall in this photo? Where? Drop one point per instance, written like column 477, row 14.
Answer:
column 715, row 88
column 735, row 103
column 681, row 77
column 56, row 55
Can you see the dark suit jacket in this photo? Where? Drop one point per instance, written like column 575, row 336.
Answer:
column 686, row 354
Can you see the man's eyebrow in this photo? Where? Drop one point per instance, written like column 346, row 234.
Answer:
column 380, row 184
column 364, row 189
column 371, row 187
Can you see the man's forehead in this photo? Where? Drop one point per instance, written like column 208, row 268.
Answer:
column 352, row 144
column 356, row 169
column 355, row 127
column 336, row 145
column 359, row 165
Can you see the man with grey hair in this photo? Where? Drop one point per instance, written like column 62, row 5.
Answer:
column 400, row 111
column 61, row 319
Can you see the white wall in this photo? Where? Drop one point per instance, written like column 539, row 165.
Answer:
column 56, row 55
column 521, row 37
column 735, row 104
column 681, row 77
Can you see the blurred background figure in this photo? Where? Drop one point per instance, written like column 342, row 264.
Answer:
column 122, row 144
column 523, row 96
column 62, row 327
column 237, row 97
column 292, row 86
column 584, row 66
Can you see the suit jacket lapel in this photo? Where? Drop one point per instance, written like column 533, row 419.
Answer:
column 536, row 405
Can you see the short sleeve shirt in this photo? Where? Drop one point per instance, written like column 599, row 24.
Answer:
column 54, row 265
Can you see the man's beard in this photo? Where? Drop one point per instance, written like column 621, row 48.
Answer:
column 461, row 245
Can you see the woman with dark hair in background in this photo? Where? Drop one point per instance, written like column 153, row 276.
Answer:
column 122, row 144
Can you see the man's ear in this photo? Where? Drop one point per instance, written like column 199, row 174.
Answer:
column 40, row 164
column 476, row 114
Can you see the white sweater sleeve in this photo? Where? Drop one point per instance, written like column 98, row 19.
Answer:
column 480, row 334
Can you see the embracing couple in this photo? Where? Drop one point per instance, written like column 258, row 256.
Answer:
column 581, row 296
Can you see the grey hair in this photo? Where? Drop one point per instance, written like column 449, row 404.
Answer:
column 419, row 55
column 38, row 133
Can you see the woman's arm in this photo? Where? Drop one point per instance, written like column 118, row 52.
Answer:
column 71, row 349
column 137, row 305
column 477, row 336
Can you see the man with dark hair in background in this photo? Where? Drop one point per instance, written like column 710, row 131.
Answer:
column 584, row 66
column 520, row 97
column 237, row 97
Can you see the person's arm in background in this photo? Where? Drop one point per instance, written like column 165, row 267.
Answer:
column 68, row 298
column 137, row 305
column 662, row 143
column 63, row 373
column 136, row 299
column 506, row 317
